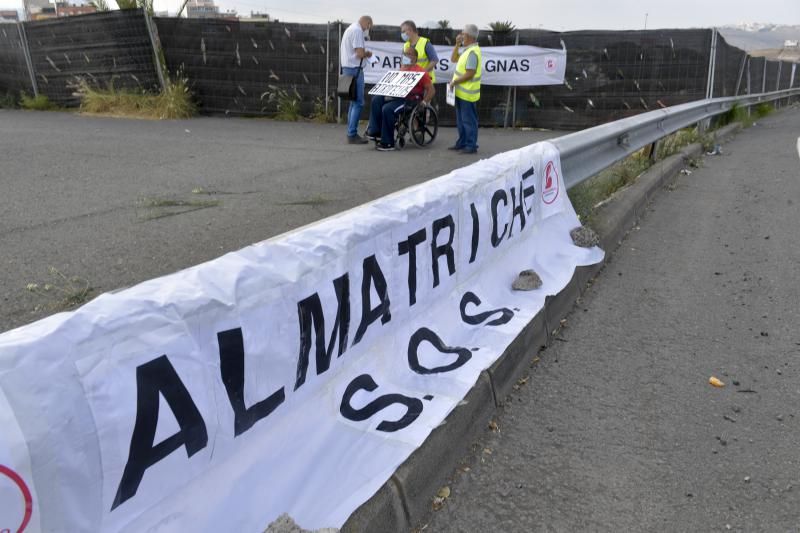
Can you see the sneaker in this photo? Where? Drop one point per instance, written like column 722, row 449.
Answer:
column 355, row 139
column 371, row 136
column 454, row 147
column 384, row 147
column 468, row 151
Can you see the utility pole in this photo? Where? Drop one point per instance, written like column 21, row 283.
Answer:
column 645, row 20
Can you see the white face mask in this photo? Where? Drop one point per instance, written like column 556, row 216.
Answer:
column 366, row 33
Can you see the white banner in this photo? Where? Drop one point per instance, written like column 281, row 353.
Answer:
column 502, row 65
column 294, row 375
column 396, row 83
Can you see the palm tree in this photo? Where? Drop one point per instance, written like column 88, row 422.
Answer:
column 502, row 26
column 443, row 24
column 99, row 5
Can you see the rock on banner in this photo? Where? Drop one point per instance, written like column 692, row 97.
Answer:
column 294, row 375
column 519, row 65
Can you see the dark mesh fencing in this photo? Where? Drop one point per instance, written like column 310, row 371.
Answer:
column 786, row 75
column 233, row 67
column 14, row 75
column 255, row 68
column 612, row 75
column 730, row 62
column 100, row 48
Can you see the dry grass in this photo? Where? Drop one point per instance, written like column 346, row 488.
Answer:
column 174, row 102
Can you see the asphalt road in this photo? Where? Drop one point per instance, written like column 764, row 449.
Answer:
column 617, row 427
column 94, row 197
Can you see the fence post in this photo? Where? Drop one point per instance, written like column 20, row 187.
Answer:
column 712, row 64
column 327, row 65
column 338, row 98
column 156, row 44
column 23, row 38
column 764, row 77
column 741, row 73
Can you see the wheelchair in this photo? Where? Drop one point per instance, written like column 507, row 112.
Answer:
column 419, row 122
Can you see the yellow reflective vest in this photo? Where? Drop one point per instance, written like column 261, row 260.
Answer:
column 469, row 90
column 422, row 56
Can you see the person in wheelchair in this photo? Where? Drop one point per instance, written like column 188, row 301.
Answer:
column 384, row 110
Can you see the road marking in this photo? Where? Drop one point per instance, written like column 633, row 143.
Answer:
column 798, row 147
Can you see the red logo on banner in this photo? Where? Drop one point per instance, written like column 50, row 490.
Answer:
column 550, row 188
column 26, row 497
column 550, row 64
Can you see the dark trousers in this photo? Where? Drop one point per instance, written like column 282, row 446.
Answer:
column 467, row 122
column 383, row 115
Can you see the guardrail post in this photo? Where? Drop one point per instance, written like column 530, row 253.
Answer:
column 653, row 151
column 23, row 38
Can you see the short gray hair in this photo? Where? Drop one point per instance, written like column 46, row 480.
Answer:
column 471, row 30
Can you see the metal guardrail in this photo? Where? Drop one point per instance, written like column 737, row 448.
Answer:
column 588, row 152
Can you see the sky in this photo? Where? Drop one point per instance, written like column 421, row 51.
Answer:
column 560, row 15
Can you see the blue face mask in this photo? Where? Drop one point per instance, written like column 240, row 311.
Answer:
column 406, row 60
column 404, row 36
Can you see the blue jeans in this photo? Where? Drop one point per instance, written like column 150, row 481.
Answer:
column 467, row 122
column 354, row 113
column 383, row 117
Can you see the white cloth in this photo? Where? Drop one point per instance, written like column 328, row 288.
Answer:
column 352, row 38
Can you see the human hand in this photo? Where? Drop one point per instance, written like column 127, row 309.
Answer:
column 368, row 54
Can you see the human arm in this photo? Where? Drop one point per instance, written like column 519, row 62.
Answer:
column 433, row 57
column 430, row 92
column 455, row 55
column 361, row 53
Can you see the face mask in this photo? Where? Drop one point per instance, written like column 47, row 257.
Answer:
column 366, row 34
column 404, row 36
column 405, row 60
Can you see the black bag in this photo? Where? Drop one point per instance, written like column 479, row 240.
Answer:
column 348, row 85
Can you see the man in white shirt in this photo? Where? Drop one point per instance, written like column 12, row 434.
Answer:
column 352, row 53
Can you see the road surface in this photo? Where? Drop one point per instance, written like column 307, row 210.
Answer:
column 94, row 197
column 617, row 427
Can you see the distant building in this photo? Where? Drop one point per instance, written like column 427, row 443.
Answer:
column 791, row 44
column 41, row 9
column 66, row 10
column 9, row 15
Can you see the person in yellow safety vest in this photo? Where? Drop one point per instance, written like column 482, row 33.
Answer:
column 466, row 83
column 427, row 57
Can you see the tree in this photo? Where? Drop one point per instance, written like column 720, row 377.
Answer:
column 502, row 26
column 443, row 24
column 99, row 5
column 126, row 4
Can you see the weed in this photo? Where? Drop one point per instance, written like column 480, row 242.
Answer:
column 588, row 195
column 174, row 102
column 156, row 208
column 320, row 115
column 36, row 103
column 763, row 109
column 63, row 293
column 314, row 201
column 287, row 103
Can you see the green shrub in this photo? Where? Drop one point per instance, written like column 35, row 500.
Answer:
column 36, row 103
column 287, row 103
column 763, row 109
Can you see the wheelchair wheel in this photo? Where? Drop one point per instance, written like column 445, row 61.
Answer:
column 423, row 124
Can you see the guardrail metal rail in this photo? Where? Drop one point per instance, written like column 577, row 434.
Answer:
column 588, row 152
